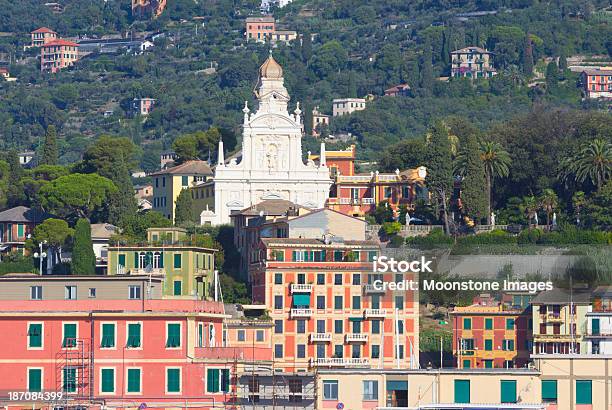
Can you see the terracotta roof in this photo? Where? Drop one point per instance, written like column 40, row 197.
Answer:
column 60, row 42
column 558, row 296
column 43, row 30
column 398, row 87
column 103, row 230
column 265, row 19
column 597, row 71
column 194, row 167
column 269, row 207
column 23, row 214
column 309, row 241
column 472, row 49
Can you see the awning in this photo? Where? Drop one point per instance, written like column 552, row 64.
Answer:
column 397, row 385
column 356, row 319
column 301, row 300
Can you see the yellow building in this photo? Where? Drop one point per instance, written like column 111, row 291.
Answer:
column 168, row 184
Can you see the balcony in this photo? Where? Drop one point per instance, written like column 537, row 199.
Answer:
column 367, row 201
column 340, row 362
column 354, row 178
column 371, row 289
column 599, row 335
column 300, row 288
column 554, row 317
column 356, row 338
column 555, row 338
column 298, row 313
column 375, row 313
column 320, row 337
column 144, row 271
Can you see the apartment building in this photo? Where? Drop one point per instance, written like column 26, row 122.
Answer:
column 357, row 194
column 108, row 353
column 168, row 184
column 186, row 268
column 342, row 106
column 314, row 275
column 599, row 322
column 42, row 36
column 319, row 121
column 260, row 28
column 16, row 225
column 597, row 82
column 559, row 321
column 58, row 54
column 143, row 106
column 493, row 336
column 472, row 62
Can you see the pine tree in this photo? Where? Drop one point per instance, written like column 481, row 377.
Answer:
column 562, row 61
column 440, row 169
column 473, row 192
column 427, row 77
column 83, row 256
column 414, row 74
column 15, row 194
column 445, row 53
column 552, row 76
column 50, row 154
column 183, row 212
column 528, row 56
column 306, row 47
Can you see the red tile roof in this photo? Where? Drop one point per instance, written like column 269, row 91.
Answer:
column 43, row 30
column 60, row 42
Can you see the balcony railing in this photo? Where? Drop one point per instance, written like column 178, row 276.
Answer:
column 554, row 317
column 367, row 201
column 340, row 362
column 356, row 337
column 369, row 313
column 300, row 288
column 143, row 271
column 369, row 288
column 301, row 313
column 353, row 178
column 320, row 337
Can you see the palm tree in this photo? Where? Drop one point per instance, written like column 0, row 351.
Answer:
column 548, row 201
column 592, row 162
column 531, row 206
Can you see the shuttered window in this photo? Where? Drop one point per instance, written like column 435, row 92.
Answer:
column 35, row 335
column 69, row 380
column 173, row 380
column 549, row 391
column 133, row 383
column 108, row 380
column 212, row 380
column 488, row 323
column 108, row 335
column 177, row 261
column 584, row 392
column 488, row 344
column 70, row 330
column 467, row 323
column 462, row 391
column 174, row 335
column 34, row 380
column 225, row 380
column 508, row 391
column 133, row 335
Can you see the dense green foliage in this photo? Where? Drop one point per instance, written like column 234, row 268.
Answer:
column 183, row 211
column 83, row 257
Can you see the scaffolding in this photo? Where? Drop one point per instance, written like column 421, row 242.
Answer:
column 73, row 374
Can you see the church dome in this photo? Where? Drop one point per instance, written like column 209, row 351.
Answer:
column 270, row 69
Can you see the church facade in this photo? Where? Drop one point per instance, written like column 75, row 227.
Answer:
column 271, row 165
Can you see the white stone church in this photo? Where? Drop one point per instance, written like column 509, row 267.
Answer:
column 271, row 164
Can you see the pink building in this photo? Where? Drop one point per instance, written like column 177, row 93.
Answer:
column 58, row 54
column 118, row 353
column 42, row 36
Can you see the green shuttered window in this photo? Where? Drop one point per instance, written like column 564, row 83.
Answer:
column 508, row 391
column 70, row 330
column 212, row 380
column 173, row 379
column 174, row 335
column 108, row 335
column 489, row 323
column 177, row 261
column 549, row 391
column 488, row 344
column 133, row 335
column 35, row 335
column 584, row 392
column 34, row 380
column 467, row 323
column 108, row 380
column 177, row 288
column 69, row 380
column 301, row 301
column 462, row 391
column 133, row 383
column 225, row 380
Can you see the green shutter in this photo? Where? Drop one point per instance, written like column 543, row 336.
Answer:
column 121, row 260
column 584, row 392
column 595, row 326
column 173, row 380
column 20, row 230
column 133, row 381
column 69, row 335
column 161, row 260
column 549, row 390
column 108, row 335
column 177, row 261
column 301, row 300
column 466, row 364
column 35, row 335
column 467, row 323
column 108, row 380
column 34, row 380
column 488, row 344
column 69, row 385
column 462, row 391
column 509, row 324
column 174, row 335
column 133, row 335
column 177, row 288
column 225, row 380
column 508, row 391
column 488, row 323
column 488, row 364
column 136, row 260
column 511, row 345
column 212, row 380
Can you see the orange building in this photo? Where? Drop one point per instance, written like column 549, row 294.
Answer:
column 357, row 194
column 260, row 28
column 42, row 36
column 491, row 336
column 58, row 54
column 597, row 82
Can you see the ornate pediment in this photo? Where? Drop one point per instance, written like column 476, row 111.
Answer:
column 272, row 121
column 235, row 204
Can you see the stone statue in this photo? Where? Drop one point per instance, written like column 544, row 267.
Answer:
column 408, row 219
column 493, row 218
column 536, row 219
column 554, row 221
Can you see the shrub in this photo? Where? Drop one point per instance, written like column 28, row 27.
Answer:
column 392, row 228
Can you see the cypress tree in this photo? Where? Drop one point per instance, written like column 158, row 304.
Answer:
column 528, row 56
column 306, row 47
column 473, row 192
column 427, row 76
column 50, row 153
column 183, row 212
column 15, row 194
column 552, row 76
column 352, row 85
column 440, row 169
column 562, row 61
column 83, row 256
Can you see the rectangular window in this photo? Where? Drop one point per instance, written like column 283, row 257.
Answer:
column 321, row 326
column 107, row 377
column 320, row 302
column 488, row 364
column 34, row 380
column 278, row 278
column 301, row 351
column 70, row 334
column 301, row 326
column 92, row 292
column 508, row 391
column 399, row 302
column 376, row 327
column 356, row 302
column 184, row 180
column 278, row 326
column 356, row 279
column 121, row 260
column 488, row 323
column 173, row 380
column 462, row 391
column 133, row 380
column 509, row 324
column 36, row 292
column 278, row 302
column 370, row 390
column 278, row 351
column 177, row 288
column 584, row 392
column 375, row 351
column 134, row 292
column 70, row 293
column 107, row 339
column 173, row 331
column 338, row 351
column 338, row 302
column 320, row 279
column 595, row 326
column 241, row 335
column 35, row 336
column 337, row 326
column 69, row 382
column 177, row 261
column 549, row 391
column 338, row 279
column 488, row 345
column 134, row 335
column 467, row 323
column 259, row 336
column 330, row 389
column 320, row 351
